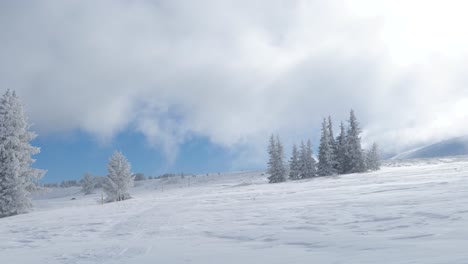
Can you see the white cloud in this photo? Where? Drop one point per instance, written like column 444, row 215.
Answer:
column 236, row 71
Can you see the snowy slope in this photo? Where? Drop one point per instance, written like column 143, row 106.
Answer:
column 413, row 213
column 451, row 147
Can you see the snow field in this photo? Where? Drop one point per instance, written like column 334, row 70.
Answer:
column 416, row 213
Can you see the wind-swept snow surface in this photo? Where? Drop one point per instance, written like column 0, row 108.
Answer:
column 409, row 214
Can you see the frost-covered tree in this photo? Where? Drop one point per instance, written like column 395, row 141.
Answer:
column 325, row 155
column 332, row 144
column 276, row 165
column 341, row 150
column 307, row 161
column 272, row 158
column 281, row 159
column 373, row 158
column 119, row 178
column 88, row 183
column 302, row 159
column 354, row 154
column 17, row 177
column 294, row 165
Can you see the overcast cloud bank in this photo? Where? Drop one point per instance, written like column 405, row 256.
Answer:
column 236, row 71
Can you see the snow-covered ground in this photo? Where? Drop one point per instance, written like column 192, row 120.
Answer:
column 414, row 213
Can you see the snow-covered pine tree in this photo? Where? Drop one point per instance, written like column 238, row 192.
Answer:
column 272, row 159
column 276, row 165
column 373, row 158
column 332, row 143
column 294, row 165
column 17, row 178
column 325, row 155
column 313, row 162
column 119, row 178
column 308, row 169
column 354, row 155
column 341, row 150
column 282, row 165
column 302, row 160
column 283, row 168
column 88, row 183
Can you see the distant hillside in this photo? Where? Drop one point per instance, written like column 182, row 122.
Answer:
column 451, row 147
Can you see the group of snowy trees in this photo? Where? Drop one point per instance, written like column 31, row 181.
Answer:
column 302, row 164
column 276, row 164
column 118, row 181
column 339, row 155
column 18, row 179
column 344, row 153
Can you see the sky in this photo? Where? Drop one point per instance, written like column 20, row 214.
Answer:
column 198, row 86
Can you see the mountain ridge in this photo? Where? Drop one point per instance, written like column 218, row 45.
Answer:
column 457, row 146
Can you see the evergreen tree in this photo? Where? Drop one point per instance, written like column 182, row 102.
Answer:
column 272, row 160
column 308, row 169
column 119, row 178
column 276, row 165
column 332, row 144
column 302, row 160
column 282, row 166
column 373, row 158
column 354, row 155
column 341, row 150
column 17, row 178
column 294, row 165
column 88, row 184
column 325, row 156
